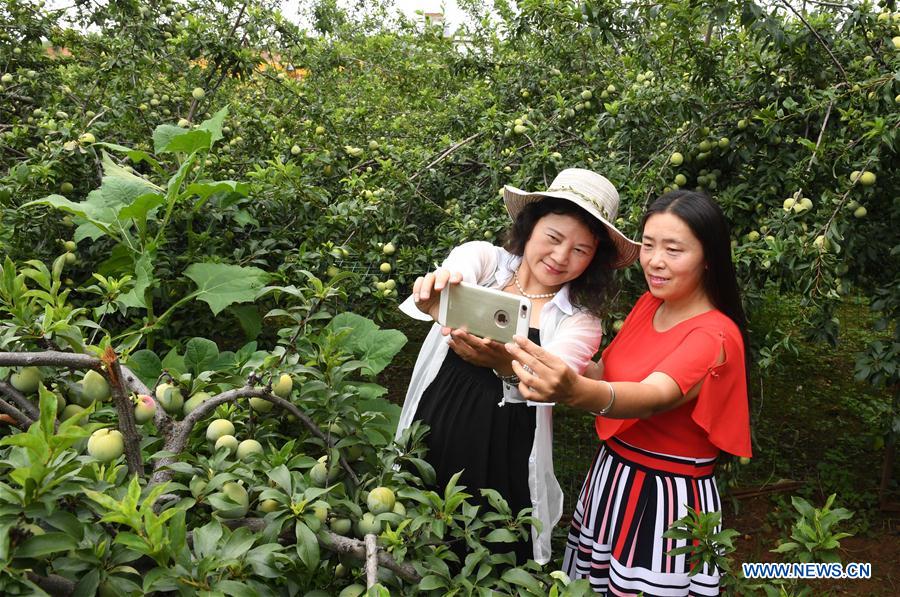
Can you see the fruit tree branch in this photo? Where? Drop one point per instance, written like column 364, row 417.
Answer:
column 20, row 419
column 125, row 410
column 812, row 159
column 819, row 38
column 345, row 545
column 177, row 440
column 50, row 358
column 340, row 545
column 371, row 560
column 24, row 404
column 53, row 584
column 443, row 155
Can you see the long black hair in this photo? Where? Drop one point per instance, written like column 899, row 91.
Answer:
column 593, row 288
column 708, row 224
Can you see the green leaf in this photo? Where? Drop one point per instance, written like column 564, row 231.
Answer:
column 307, row 545
column 204, row 189
column 238, row 544
column 146, row 365
column 140, row 209
column 282, row 477
column 214, row 125
column 517, row 576
column 143, row 279
column 200, row 354
column 42, row 545
column 206, row 538
column 366, row 341
column 220, row 285
column 168, row 138
column 432, row 582
column 501, row 536
column 248, row 318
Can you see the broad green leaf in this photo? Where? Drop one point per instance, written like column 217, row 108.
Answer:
column 200, row 354
column 174, row 362
column 248, row 318
column 118, row 188
column 220, row 285
column 282, row 477
column 432, row 582
column 204, row 189
column 238, row 544
column 143, row 279
column 234, row 588
column 140, row 208
column 369, row 390
column 214, row 125
column 146, row 365
column 367, row 342
column 168, row 138
column 88, row 584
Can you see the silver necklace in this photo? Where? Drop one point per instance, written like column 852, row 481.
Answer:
column 531, row 296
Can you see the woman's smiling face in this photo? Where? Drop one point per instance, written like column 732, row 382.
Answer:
column 559, row 249
column 672, row 258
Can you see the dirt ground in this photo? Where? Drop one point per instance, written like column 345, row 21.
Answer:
column 880, row 547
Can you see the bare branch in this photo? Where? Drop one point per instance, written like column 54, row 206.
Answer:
column 49, row 358
column 354, row 547
column 821, row 134
column 444, row 155
column 341, row 545
column 54, row 584
column 371, row 560
column 125, row 410
column 819, row 38
column 133, row 382
column 25, row 405
column 18, row 417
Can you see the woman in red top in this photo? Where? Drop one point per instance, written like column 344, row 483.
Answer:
column 670, row 395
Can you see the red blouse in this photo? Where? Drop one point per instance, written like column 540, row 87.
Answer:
column 718, row 419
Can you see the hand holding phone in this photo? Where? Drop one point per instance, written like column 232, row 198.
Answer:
column 484, row 312
column 427, row 288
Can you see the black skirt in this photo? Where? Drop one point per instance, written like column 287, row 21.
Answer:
column 471, row 433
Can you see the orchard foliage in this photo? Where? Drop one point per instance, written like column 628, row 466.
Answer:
column 200, row 194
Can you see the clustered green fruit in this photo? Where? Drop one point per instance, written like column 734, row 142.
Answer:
column 229, row 442
column 247, row 448
column 320, row 474
column 283, row 387
column 381, row 500
column 238, row 501
column 106, row 444
column 26, row 380
column 169, row 398
column 145, row 409
column 218, row 428
column 194, row 401
column 95, row 386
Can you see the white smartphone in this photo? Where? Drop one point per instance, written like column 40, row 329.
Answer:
column 484, row 312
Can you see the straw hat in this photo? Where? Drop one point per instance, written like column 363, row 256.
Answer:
column 589, row 191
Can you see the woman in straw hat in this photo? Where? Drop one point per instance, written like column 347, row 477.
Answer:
column 561, row 252
column 670, row 397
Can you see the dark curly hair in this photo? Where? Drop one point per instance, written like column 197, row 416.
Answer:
column 595, row 286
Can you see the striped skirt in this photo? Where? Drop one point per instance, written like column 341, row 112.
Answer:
column 629, row 499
